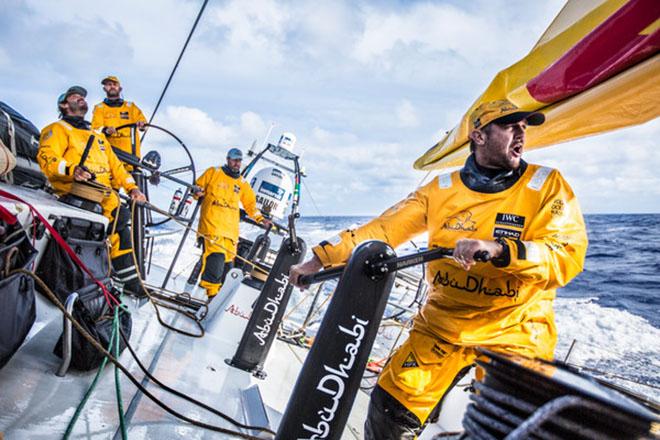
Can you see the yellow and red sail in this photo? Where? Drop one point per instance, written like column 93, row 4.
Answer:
column 595, row 69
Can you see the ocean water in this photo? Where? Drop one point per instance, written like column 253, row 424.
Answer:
column 609, row 312
column 607, row 316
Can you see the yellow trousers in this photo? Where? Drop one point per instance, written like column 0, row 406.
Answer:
column 218, row 252
column 423, row 368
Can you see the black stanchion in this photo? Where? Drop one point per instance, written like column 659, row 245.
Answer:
column 268, row 311
column 324, row 393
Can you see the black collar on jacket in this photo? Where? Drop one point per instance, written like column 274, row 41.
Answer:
column 228, row 171
column 113, row 102
column 77, row 121
column 489, row 180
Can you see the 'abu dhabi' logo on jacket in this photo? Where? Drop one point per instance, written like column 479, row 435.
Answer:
column 460, row 222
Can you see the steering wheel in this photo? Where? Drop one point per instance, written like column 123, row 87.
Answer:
column 155, row 173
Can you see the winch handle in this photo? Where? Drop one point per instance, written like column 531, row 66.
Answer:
column 83, row 157
column 392, row 264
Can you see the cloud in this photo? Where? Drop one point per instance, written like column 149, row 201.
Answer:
column 207, row 139
column 614, row 172
column 424, row 28
column 365, row 86
column 257, row 27
column 407, row 114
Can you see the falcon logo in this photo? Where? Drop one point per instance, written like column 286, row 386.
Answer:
column 410, row 361
column 237, row 189
column 123, row 115
column 460, row 222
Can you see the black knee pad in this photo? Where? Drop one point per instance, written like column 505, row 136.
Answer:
column 214, row 269
column 387, row 419
column 228, row 266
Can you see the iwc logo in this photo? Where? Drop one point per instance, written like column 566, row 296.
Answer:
column 460, row 222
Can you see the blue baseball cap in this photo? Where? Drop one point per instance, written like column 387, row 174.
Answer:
column 73, row 89
column 235, row 153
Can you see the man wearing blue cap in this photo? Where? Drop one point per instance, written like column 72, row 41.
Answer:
column 223, row 188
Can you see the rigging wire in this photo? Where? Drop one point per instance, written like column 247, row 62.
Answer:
column 318, row 211
column 49, row 293
column 176, row 65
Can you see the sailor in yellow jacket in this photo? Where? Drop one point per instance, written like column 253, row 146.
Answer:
column 114, row 112
column 223, row 189
column 61, row 147
column 525, row 216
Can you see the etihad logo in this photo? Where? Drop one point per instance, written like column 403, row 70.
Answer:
column 460, row 222
column 506, row 233
column 504, row 219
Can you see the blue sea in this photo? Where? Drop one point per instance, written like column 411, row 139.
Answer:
column 607, row 317
column 622, row 268
column 609, row 313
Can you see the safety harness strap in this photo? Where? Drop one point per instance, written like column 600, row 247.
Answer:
column 63, row 244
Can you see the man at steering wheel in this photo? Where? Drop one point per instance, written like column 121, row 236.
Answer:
column 114, row 112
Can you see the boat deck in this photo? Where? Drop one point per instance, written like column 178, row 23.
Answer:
column 35, row 403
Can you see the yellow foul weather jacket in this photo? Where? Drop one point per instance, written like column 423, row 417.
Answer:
column 109, row 116
column 220, row 214
column 538, row 218
column 60, row 148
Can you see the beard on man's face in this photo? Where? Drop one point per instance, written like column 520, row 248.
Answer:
column 78, row 107
column 113, row 93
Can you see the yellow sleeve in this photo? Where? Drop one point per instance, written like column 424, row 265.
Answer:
column 53, row 143
column 395, row 226
column 249, row 202
column 117, row 168
column 558, row 246
column 137, row 114
column 203, row 180
column 97, row 117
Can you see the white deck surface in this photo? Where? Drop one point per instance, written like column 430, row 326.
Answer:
column 35, row 403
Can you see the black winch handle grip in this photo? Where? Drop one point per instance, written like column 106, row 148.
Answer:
column 400, row 262
column 482, row 256
column 83, row 157
column 324, row 275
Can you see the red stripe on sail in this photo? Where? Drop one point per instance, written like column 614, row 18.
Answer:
column 610, row 48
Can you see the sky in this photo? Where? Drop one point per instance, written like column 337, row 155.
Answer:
column 366, row 87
